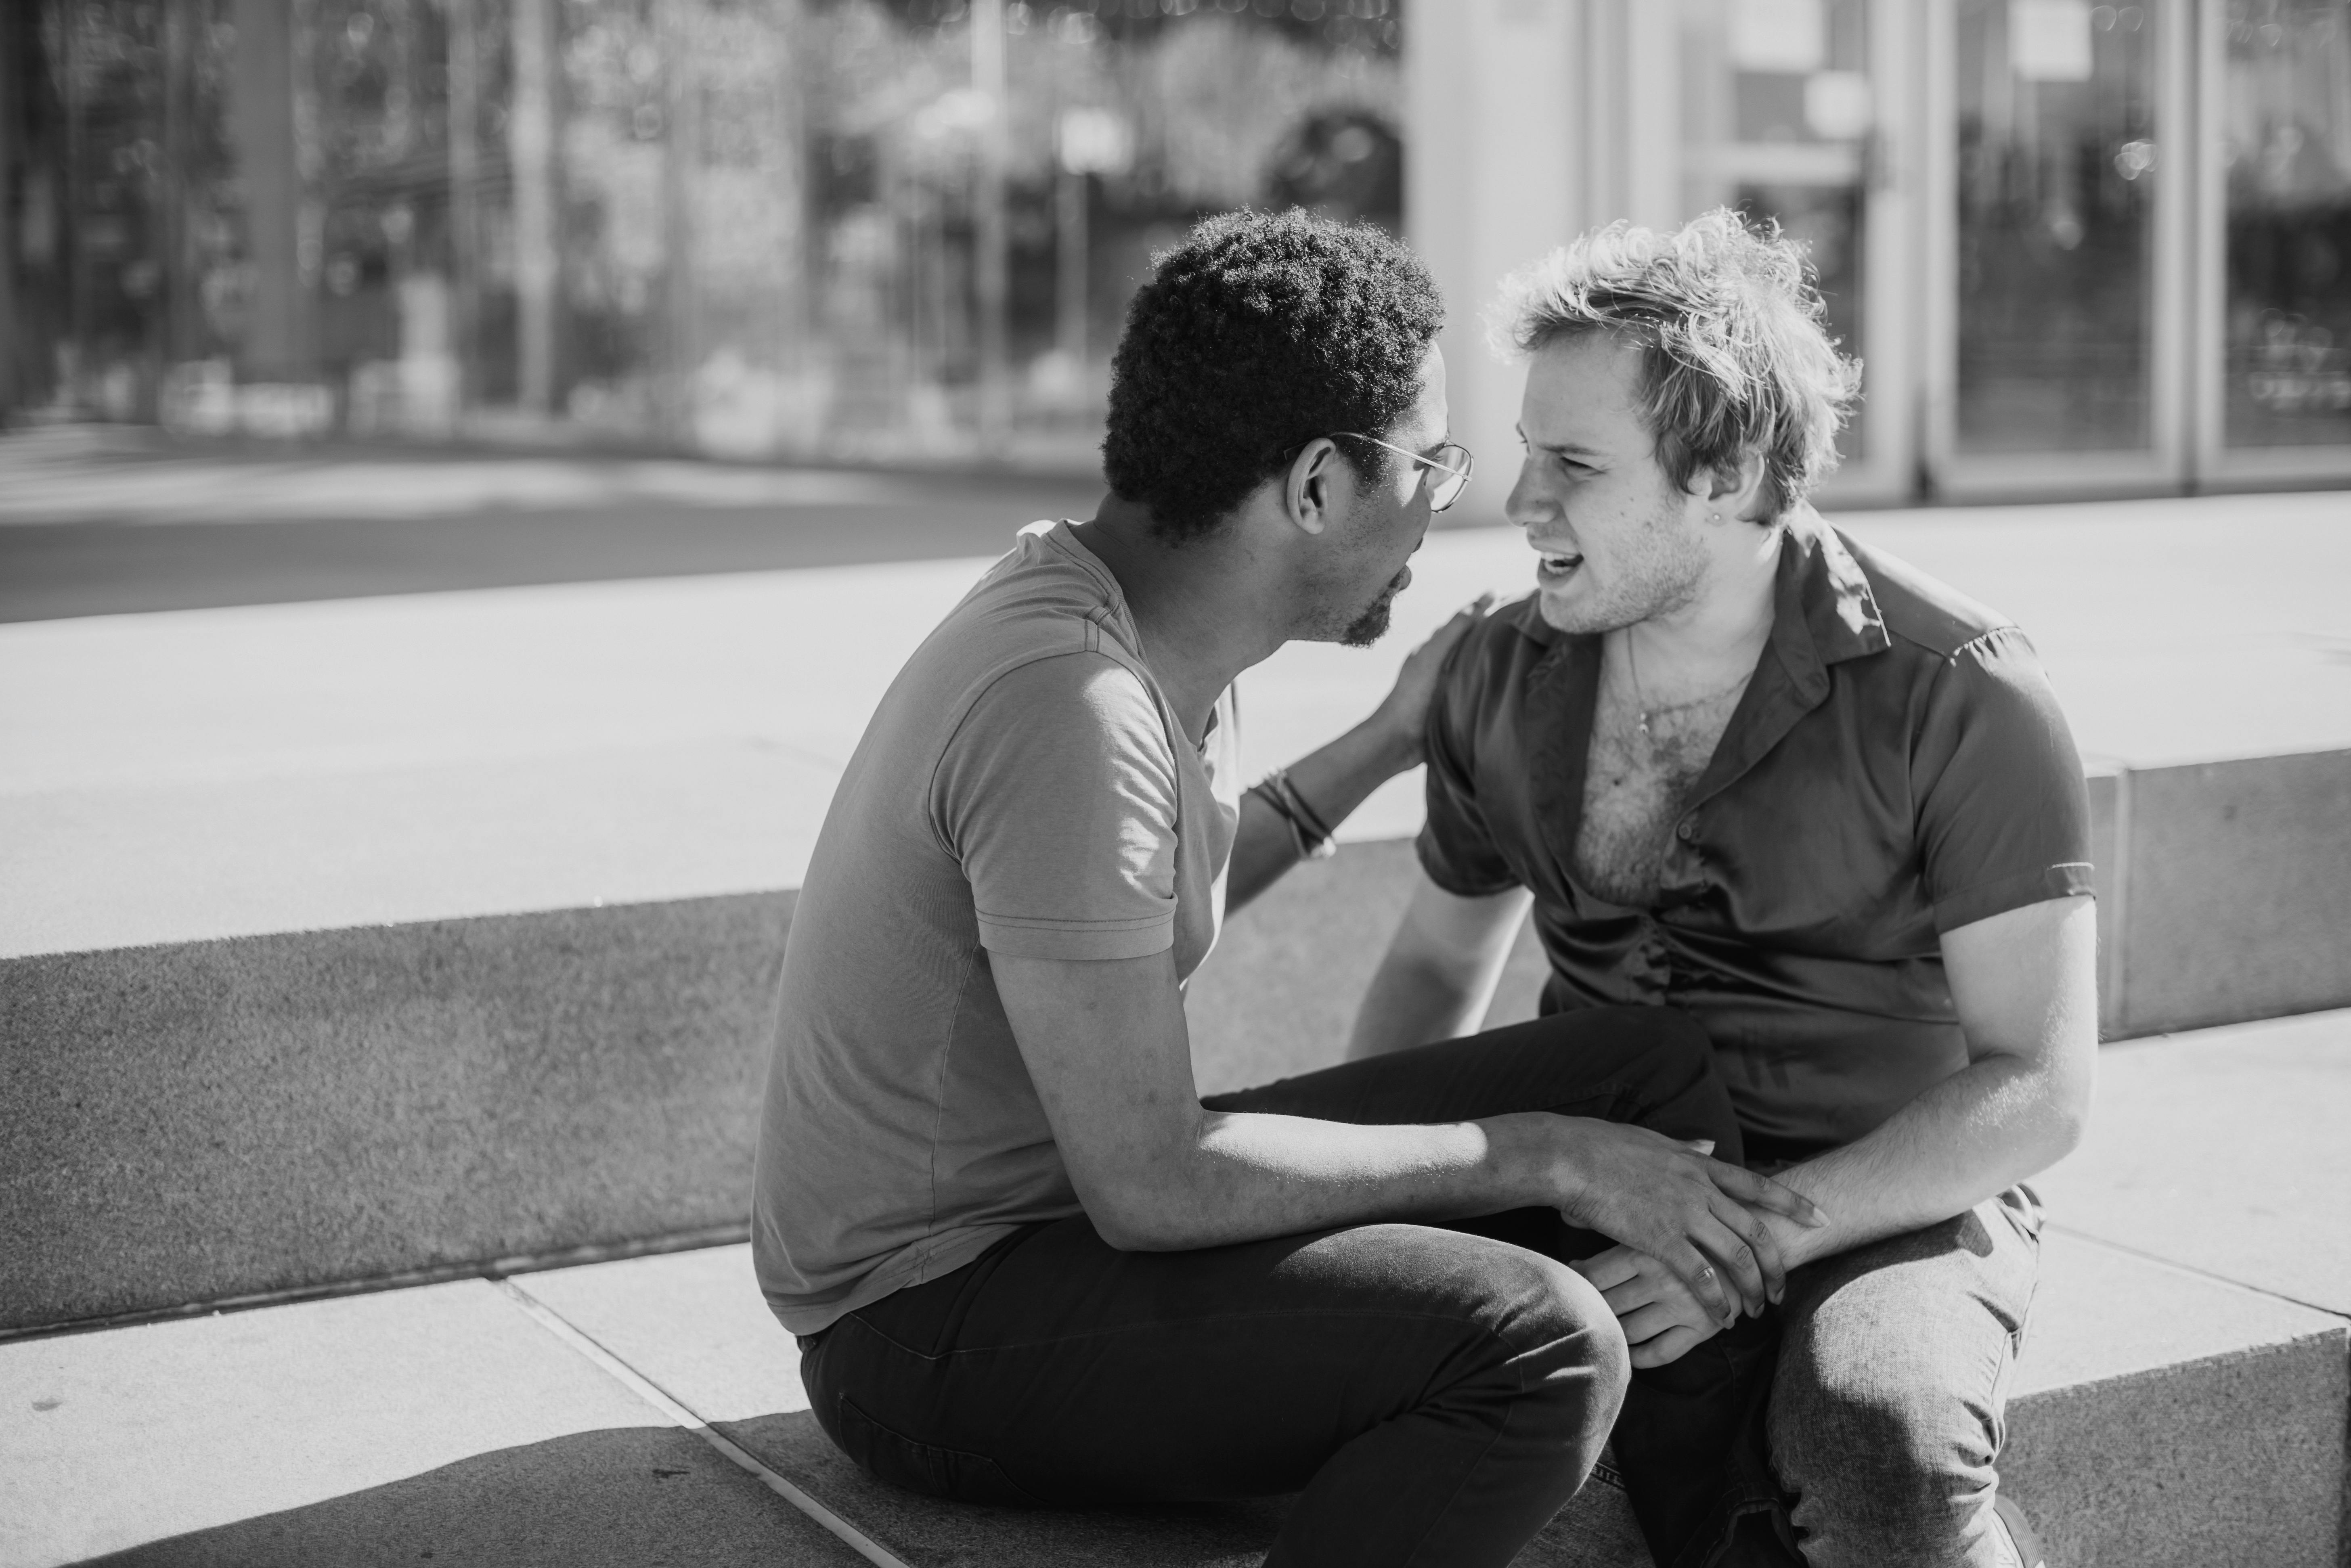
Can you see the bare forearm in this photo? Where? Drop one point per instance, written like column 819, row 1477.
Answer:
column 1417, row 999
column 1437, row 976
column 1247, row 1175
column 1333, row 780
column 1987, row 1127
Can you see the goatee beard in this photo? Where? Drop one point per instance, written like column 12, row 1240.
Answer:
column 1367, row 628
column 1373, row 624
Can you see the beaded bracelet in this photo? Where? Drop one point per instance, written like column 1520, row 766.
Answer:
column 1306, row 828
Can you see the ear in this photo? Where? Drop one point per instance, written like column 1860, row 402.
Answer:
column 1310, row 499
column 1736, row 490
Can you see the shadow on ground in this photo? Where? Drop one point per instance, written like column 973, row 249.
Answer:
column 55, row 571
column 929, row 1533
column 631, row 1496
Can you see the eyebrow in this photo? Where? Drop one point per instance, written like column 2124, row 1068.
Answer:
column 1562, row 446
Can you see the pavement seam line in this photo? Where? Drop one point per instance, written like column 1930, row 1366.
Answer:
column 660, row 1399
column 2194, row 1271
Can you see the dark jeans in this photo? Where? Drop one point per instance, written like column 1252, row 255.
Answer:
column 1434, row 1393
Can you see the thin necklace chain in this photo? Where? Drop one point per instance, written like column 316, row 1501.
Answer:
column 1640, row 702
column 1641, row 711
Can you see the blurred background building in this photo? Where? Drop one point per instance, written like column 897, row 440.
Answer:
column 2082, row 248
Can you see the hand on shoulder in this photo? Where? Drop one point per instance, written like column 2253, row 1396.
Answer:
column 1404, row 710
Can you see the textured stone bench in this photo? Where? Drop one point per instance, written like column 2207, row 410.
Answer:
column 2169, row 1412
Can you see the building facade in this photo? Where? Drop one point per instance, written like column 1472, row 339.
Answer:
column 2081, row 249
column 874, row 230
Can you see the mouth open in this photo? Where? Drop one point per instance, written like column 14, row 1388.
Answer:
column 1557, row 566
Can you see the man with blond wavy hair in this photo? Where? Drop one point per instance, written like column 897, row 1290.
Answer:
column 1747, row 769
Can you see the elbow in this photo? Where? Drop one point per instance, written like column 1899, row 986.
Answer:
column 1118, row 1238
column 1130, row 1222
column 1126, row 1233
column 2066, row 1122
column 2066, row 1129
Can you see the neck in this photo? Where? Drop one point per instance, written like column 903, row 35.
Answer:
column 1193, row 605
column 1722, row 631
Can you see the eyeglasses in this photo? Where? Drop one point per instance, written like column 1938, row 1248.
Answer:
column 1452, row 463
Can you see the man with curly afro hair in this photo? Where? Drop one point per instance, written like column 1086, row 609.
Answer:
column 1026, row 1262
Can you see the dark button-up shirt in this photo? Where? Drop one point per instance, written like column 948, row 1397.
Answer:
column 1897, row 767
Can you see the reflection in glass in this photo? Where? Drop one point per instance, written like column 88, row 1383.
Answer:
column 2058, row 158
column 2286, row 147
column 1780, row 109
column 870, row 229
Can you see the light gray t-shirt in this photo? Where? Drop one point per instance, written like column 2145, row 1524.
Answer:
column 1023, row 788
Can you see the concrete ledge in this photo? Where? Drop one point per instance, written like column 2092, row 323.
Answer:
column 2161, row 1416
column 196, row 1121
column 2158, row 1419
column 2237, row 891
column 213, row 1119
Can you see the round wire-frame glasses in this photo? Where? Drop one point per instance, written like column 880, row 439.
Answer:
column 1452, row 464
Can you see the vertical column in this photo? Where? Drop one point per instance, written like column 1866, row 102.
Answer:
column 278, row 339
column 531, row 148
column 180, row 339
column 11, row 386
column 1652, row 122
column 1492, row 180
column 73, row 299
column 464, row 66
column 798, row 257
column 992, row 265
column 681, row 166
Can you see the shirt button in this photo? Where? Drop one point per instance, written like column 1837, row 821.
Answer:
column 1687, row 832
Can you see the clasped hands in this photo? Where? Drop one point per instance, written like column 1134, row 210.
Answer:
column 1700, row 1241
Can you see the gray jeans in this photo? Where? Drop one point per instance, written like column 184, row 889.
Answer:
column 1889, row 1404
column 1857, row 1424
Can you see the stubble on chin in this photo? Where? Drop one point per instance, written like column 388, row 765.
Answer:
column 1371, row 624
column 1669, row 580
column 1590, row 618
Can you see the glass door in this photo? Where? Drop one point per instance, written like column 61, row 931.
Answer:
column 1790, row 110
column 2056, row 239
column 2274, row 373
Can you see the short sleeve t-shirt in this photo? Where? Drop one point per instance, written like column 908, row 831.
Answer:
column 1024, row 790
column 1897, row 768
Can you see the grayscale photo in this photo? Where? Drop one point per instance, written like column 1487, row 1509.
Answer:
column 1177, row 783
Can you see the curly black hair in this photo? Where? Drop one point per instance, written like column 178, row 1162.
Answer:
column 1258, row 333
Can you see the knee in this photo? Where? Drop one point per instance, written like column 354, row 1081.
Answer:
column 1562, row 1347
column 1884, row 1457
column 1911, row 1434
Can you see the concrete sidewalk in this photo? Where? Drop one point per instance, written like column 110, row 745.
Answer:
column 2180, row 1400
column 203, row 774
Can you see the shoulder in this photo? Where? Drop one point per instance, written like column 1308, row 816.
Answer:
column 1922, row 611
column 1493, row 656
column 1035, row 635
column 1049, row 709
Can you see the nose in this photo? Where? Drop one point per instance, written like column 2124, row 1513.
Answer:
column 1530, row 501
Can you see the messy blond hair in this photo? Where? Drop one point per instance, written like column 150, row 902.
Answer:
column 1728, row 323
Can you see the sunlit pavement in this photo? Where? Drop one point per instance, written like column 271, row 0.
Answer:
column 228, row 771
